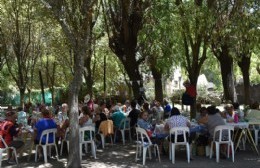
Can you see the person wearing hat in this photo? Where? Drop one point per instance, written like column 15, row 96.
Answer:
column 9, row 129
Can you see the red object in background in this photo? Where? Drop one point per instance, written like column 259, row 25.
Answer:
column 191, row 90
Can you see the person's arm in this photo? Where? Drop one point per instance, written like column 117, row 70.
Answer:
column 188, row 123
column 34, row 133
column 203, row 120
column 166, row 127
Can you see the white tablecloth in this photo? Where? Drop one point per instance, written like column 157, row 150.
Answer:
column 240, row 125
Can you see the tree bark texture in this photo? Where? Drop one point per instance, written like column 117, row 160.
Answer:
column 227, row 73
column 244, row 65
column 157, row 75
column 125, row 23
column 74, row 89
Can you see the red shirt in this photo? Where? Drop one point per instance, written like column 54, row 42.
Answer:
column 191, row 90
column 5, row 131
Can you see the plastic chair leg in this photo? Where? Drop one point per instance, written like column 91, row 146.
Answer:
column 173, row 153
column 217, row 152
column 144, row 155
column 45, row 153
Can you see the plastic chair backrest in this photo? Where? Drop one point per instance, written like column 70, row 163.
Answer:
column 125, row 123
column 222, row 133
column 85, row 130
column 143, row 135
column 48, row 133
column 179, row 131
column 3, row 141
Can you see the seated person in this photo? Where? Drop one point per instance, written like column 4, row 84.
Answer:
column 177, row 120
column 253, row 113
column 22, row 116
column 9, row 129
column 143, row 122
column 202, row 113
column 46, row 122
column 85, row 119
column 229, row 113
column 117, row 116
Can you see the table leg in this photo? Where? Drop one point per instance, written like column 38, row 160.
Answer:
column 251, row 140
column 239, row 138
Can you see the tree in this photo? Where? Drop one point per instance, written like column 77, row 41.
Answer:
column 123, row 22
column 221, row 44
column 75, row 20
column 194, row 23
column 23, row 40
column 245, row 40
column 3, row 49
column 156, row 42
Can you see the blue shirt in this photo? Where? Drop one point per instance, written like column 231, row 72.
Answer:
column 167, row 109
column 144, row 124
column 44, row 124
column 117, row 117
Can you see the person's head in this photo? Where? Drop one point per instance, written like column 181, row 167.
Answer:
column 165, row 101
column 86, row 112
column 186, row 83
column 19, row 109
column 42, row 107
column 133, row 104
column 103, row 105
column 64, row 107
column 236, row 105
column 9, row 108
column 157, row 104
column 143, row 115
column 175, row 111
column 85, row 109
column 229, row 109
column 255, row 105
column 11, row 116
column 116, row 108
column 46, row 113
column 127, row 103
column 146, row 106
column 212, row 110
column 203, row 111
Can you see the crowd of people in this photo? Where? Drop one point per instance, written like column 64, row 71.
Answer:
column 92, row 113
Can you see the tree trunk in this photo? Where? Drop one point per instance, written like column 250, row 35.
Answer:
column 22, row 91
column 157, row 75
column 88, row 75
column 244, row 65
column 74, row 157
column 132, row 69
column 226, row 65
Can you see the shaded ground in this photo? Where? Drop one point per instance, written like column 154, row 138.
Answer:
column 124, row 156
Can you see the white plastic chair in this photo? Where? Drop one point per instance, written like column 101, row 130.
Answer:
column 179, row 131
column 103, row 140
column 66, row 139
column 47, row 134
column 6, row 148
column 222, row 135
column 89, row 132
column 142, row 137
column 124, row 126
column 256, row 129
